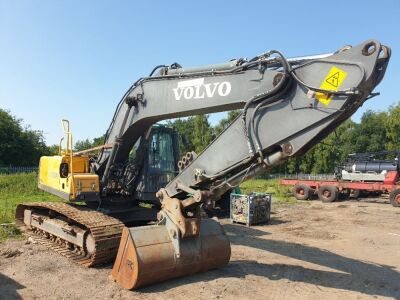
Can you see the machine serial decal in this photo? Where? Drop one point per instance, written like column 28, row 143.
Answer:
column 332, row 82
column 197, row 89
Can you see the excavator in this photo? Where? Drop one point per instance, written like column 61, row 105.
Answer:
column 133, row 205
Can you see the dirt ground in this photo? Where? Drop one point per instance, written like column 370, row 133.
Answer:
column 344, row 250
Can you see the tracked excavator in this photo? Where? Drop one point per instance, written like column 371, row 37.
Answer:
column 132, row 204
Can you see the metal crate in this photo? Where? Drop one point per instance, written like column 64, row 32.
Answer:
column 250, row 209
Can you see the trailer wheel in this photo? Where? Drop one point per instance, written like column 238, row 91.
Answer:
column 328, row 193
column 394, row 197
column 301, row 192
column 268, row 213
column 355, row 194
column 311, row 194
column 344, row 194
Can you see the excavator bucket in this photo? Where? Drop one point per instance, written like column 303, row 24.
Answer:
column 149, row 254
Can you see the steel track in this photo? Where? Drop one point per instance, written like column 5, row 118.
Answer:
column 105, row 230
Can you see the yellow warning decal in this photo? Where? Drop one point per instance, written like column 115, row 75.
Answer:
column 332, row 82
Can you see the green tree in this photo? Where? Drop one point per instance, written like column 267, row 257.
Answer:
column 374, row 131
column 326, row 155
column 370, row 135
column 334, row 148
column 225, row 122
column 185, row 128
column 83, row 145
column 203, row 133
column 19, row 146
column 392, row 125
column 302, row 164
column 53, row 149
column 196, row 132
column 87, row 144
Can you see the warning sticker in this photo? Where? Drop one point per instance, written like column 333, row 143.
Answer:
column 332, row 82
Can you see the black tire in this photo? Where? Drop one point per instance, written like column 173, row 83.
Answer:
column 301, row 192
column 355, row 194
column 328, row 193
column 225, row 201
column 394, row 197
column 344, row 194
column 311, row 194
column 268, row 213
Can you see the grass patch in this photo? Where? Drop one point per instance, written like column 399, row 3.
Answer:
column 9, row 231
column 279, row 193
column 19, row 188
column 15, row 189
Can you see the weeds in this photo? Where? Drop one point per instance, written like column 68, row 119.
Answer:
column 8, row 230
column 19, row 188
column 15, row 189
column 279, row 193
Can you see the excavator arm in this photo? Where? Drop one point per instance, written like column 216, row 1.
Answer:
column 301, row 105
column 288, row 106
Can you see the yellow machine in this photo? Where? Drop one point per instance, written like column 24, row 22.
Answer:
column 67, row 175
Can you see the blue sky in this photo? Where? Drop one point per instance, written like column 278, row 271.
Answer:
column 75, row 59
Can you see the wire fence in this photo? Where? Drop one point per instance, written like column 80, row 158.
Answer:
column 299, row 176
column 16, row 170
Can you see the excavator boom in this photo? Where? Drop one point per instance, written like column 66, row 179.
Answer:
column 287, row 104
column 287, row 107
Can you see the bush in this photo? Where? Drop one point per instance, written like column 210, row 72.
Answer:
column 279, row 193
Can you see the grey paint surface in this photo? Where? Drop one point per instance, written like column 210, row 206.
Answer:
column 296, row 119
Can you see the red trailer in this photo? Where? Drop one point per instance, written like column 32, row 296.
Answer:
column 329, row 190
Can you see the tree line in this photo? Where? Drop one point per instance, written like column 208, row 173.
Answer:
column 376, row 131
column 19, row 146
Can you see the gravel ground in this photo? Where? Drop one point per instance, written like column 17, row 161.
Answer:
column 343, row 250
